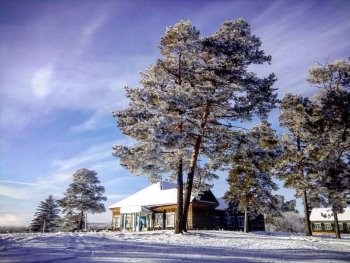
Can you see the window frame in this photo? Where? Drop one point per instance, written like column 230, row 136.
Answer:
column 341, row 226
column 117, row 221
column 328, row 226
column 128, row 221
column 158, row 220
column 170, row 220
column 230, row 221
column 317, row 226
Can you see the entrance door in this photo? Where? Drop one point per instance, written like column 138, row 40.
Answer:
column 142, row 222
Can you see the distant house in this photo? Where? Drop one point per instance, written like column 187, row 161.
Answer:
column 229, row 218
column 322, row 220
column 154, row 207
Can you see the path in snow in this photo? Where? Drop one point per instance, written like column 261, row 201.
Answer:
column 164, row 246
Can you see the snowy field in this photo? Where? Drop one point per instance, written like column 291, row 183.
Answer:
column 164, row 246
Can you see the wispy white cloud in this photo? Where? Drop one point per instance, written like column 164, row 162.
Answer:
column 89, row 30
column 90, row 156
column 97, row 157
column 296, row 42
column 94, row 122
column 42, row 80
column 120, row 180
column 28, row 184
column 89, row 124
column 15, row 192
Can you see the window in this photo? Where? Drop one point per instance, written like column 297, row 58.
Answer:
column 317, row 226
column 117, row 221
column 240, row 221
column 328, row 226
column 170, row 220
column 142, row 222
column 158, row 220
column 341, row 228
column 230, row 221
column 128, row 221
column 348, row 226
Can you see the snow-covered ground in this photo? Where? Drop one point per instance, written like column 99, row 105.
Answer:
column 164, row 246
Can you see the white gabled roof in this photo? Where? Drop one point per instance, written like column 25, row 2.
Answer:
column 326, row 214
column 162, row 193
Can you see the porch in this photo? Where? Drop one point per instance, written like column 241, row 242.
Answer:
column 140, row 218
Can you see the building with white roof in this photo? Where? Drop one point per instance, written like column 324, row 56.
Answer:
column 154, row 207
column 322, row 220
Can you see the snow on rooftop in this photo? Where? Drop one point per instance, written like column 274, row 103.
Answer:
column 326, row 214
column 161, row 193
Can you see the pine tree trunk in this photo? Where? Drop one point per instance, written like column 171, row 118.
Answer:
column 336, row 225
column 190, row 175
column 81, row 221
column 189, row 182
column 44, row 226
column 306, row 206
column 245, row 220
column 179, row 217
column 306, row 214
column 85, row 221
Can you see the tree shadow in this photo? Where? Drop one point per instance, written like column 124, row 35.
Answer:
column 99, row 249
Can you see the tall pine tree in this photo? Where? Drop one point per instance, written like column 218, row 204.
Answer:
column 188, row 101
column 156, row 116
column 332, row 134
column 83, row 195
column 228, row 92
column 297, row 164
column 47, row 216
column 250, row 181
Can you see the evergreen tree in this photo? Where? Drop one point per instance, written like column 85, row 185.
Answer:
column 289, row 219
column 250, row 180
column 157, row 113
column 83, row 195
column 71, row 220
column 47, row 216
column 188, row 101
column 299, row 158
column 228, row 92
column 288, row 206
column 332, row 134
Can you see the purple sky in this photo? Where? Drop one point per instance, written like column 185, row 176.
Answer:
column 63, row 66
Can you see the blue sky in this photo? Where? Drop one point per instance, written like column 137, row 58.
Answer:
column 63, row 66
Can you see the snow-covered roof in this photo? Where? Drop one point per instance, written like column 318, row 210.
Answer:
column 326, row 214
column 222, row 204
column 162, row 193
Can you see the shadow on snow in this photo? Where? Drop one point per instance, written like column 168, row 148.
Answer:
column 79, row 248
